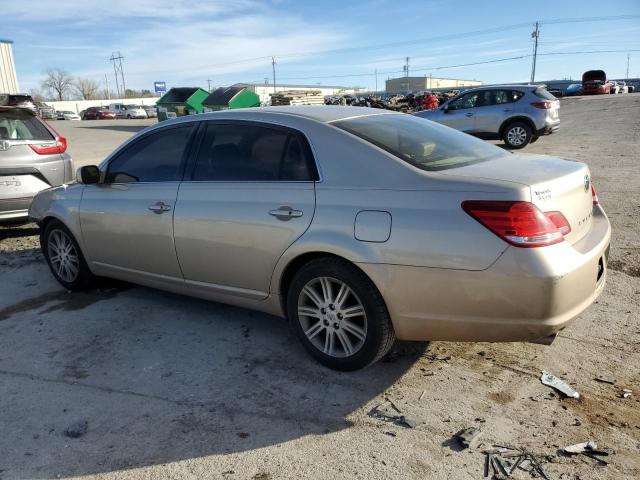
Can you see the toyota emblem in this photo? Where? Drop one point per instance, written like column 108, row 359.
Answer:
column 587, row 183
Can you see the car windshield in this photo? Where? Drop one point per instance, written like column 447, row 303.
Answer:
column 21, row 125
column 420, row 142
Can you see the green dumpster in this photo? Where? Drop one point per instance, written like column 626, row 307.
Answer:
column 224, row 98
column 181, row 101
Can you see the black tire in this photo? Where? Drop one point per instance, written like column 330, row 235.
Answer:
column 379, row 337
column 83, row 279
column 517, row 135
column 534, row 139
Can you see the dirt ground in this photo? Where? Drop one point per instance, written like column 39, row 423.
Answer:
column 172, row 387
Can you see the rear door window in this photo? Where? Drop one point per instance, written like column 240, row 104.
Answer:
column 243, row 152
column 508, row 96
column 156, row 157
column 22, row 125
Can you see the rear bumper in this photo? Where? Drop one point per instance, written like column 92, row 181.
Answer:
column 14, row 209
column 527, row 294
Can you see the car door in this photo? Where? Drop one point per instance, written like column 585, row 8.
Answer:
column 250, row 195
column 493, row 107
column 459, row 113
column 127, row 219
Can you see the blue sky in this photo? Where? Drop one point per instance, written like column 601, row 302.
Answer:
column 185, row 42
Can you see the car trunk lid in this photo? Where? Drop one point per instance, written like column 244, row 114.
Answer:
column 556, row 185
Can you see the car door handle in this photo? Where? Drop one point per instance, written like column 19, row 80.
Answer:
column 468, row 114
column 507, row 109
column 285, row 212
column 159, row 207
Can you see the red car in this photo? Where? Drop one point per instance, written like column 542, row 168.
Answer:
column 98, row 113
column 594, row 82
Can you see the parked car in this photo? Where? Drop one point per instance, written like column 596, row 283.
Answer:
column 127, row 111
column 594, row 82
column 618, row 87
column 45, row 111
column 573, row 89
column 67, row 115
column 18, row 100
column 360, row 225
column 32, row 157
column 517, row 114
column 151, row 111
column 98, row 113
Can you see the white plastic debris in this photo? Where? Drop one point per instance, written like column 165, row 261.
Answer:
column 625, row 393
column 560, row 385
column 580, row 447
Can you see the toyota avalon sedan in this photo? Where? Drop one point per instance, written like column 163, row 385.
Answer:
column 359, row 225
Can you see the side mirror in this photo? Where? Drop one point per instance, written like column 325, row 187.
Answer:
column 88, row 174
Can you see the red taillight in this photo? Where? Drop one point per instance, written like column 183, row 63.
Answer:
column 59, row 145
column 594, row 195
column 559, row 220
column 521, row 224
column 546, row 105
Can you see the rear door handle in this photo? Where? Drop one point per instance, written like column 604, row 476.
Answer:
column 285, row 212
column 159, row 207
column 468, row 114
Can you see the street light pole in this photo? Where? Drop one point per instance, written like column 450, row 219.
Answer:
column 535, row 34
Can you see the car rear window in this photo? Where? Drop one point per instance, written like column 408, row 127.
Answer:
column 420, row 142
column 543, row 93
column 22, row 125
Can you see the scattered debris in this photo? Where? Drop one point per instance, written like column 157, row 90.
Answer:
column 560, row 385
column 469, row 437
column 433, row 357
column 589, row 449
column 502, row 462
column 625, row 393
column 76, row 429
column 422, row 395
column 605, row 379
column 389, row 412
column 391, row 434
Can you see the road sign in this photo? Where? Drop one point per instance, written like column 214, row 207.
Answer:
column 160, row 87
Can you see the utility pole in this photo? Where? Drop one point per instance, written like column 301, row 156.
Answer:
column 535, row 34
column 273, row 65
column 626, row 77
column 106, row 83
column 375, row 72
column 117, row 68
column 406, row 72
column 208, row 85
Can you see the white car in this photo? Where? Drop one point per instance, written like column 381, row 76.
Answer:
column 128, row 111
column 67, row 115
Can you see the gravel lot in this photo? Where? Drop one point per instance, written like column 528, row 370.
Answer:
column 172, row 387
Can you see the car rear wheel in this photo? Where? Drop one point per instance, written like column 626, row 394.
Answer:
column 339, row 314
column 64, row 257
column 517, row 135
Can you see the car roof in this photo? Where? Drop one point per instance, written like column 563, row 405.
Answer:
column 319, row 113
column 506, row 85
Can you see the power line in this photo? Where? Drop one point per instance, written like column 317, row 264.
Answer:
column 590, row 19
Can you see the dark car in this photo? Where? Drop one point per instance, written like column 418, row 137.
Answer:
column 18, row 100
column 98, row 113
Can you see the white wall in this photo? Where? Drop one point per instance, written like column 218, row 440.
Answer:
column 79, row 105
column 8, row 79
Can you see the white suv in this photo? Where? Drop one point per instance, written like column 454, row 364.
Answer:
column 128, row 111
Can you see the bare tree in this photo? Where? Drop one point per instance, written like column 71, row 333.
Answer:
column 87, row 88
column 58, row 82
column 36, row 94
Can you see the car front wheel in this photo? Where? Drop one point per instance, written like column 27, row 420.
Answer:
column 517, row 135
column 339, row 314
column 64, row 257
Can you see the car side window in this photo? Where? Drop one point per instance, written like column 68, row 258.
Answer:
column 465, row 101
column 236, row 152
column 486, row 98
column 157, row 157
column 508, row 96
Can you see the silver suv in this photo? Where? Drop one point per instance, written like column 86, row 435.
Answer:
column 517, row 114
column 32, row 158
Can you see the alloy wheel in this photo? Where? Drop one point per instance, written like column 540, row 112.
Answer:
column 517, row 135
column 332, row 317
column 63, row 255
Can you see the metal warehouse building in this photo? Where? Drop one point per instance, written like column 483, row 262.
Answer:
column 8, row 79
column 416, row 84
